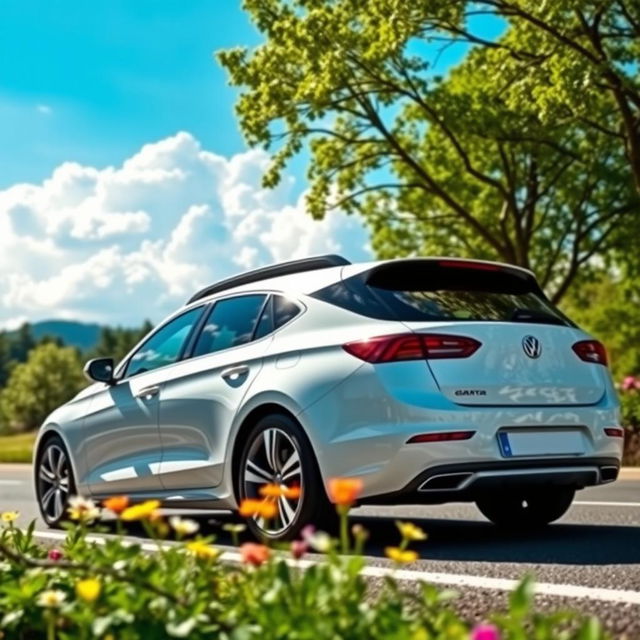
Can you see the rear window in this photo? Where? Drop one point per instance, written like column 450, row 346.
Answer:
column 415, row 291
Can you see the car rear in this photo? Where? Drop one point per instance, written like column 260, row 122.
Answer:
column 484, row 386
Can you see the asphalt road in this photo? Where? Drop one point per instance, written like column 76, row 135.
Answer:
column 589, row 560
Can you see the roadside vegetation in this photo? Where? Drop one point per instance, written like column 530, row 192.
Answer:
column 189, row 590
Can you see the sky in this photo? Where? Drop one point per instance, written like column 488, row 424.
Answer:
column 125, row 183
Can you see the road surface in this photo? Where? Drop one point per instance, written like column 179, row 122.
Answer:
column 589, row 560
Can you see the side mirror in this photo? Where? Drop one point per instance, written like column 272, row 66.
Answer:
column 100, row 370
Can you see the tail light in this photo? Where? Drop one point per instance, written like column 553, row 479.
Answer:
column 441, row 436
column 412, row 346
column 591, row 351
column 614, row 432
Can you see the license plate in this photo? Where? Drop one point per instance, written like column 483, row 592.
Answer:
column 549, row 442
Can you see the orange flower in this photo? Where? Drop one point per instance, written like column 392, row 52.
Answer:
column 117, row 504
column 254, row 554
column 277, row 490
column 344, row 491
column 258, row 508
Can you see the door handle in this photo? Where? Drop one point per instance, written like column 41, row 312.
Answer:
column 148, row 392
column 235, row 371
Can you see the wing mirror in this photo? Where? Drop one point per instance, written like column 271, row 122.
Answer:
column 100, row 370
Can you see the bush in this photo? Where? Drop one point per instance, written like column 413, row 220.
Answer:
column 115, row 590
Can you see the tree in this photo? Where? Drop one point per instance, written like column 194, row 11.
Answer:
column 116, row 342
column 434, row 166
column 50, row 376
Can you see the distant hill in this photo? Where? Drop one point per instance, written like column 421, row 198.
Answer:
column 75, row 334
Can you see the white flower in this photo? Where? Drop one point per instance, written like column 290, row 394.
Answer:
column 183, row 526
column 51, row 599
column 320, row 541
column 83, row 509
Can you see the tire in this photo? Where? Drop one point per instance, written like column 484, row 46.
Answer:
column 276, row 451
column 528, row 508
column 54, row 481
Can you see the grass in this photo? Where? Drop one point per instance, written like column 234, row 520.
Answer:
column 17, row 447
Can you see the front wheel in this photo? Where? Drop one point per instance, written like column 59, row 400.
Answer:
column 277, row 452
column 527, row 509
column 54, row 481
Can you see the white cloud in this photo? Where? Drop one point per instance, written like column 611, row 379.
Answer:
column 120, row 244
column 44, row 109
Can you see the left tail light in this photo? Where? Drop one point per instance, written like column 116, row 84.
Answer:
column 412, row 346
column 591, row 351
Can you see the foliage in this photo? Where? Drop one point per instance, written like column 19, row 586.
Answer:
column 116, row 342
column 470, row 164
column 184, row 590
column 50, row 376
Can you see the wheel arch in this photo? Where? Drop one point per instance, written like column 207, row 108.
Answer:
column 46, row 433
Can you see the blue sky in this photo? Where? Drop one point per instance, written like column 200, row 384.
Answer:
column 123, row 174
column 93, row 81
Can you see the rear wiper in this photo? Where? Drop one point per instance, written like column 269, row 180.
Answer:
column 535, row 316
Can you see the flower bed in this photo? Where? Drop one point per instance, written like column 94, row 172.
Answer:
column 115, row 591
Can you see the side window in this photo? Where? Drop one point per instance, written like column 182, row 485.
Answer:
column 230, row 323
column 164, row 346
column 284, row 310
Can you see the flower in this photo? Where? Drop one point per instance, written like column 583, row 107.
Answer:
column 278, row 490
column 51, row 599
column 344, row 491
column 83, row 509
column 144, row 510
column 202, row 549
column 183, row 526
column 258, row 508
column 116, row 504
column 234, row 527
column 10, row 517
column 88, row 590
column 485, row 631
column 254, row 554
column 54, row 555
column 299, row 548
column 317, row 540
column 629, row 383
column 410, row 531
column 401, row 556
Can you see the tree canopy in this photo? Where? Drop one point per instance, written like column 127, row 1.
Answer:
column 490, row 161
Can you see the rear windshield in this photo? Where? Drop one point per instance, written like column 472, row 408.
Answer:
column 412, row 291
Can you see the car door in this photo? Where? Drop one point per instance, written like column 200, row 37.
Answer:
column 123, row 445
column 199, row 402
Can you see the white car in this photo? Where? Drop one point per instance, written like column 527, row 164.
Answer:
column 431, row 380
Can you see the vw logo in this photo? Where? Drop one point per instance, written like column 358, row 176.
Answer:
column 531, row 346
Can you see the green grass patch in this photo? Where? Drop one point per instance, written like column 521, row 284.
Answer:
column 17, row 447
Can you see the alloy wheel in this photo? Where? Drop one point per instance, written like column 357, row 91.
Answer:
column 274, row 458
column 54, row 479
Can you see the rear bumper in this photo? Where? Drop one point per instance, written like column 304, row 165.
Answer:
column 467, row 481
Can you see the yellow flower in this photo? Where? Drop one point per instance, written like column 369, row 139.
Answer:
column 183, row 526
column 88, row 590
column 10, row 516
column 51, row 599
column 201, row 549
column 83, row 509
column 141, row 511
column 401, row 556
column 410, row 531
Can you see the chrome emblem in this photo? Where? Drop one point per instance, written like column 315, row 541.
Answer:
column 531, row 346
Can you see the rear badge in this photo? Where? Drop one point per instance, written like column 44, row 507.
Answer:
column 531, row 346
column 470, row 392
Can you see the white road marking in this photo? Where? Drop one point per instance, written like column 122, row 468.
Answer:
column 452, row 579
column 10, row 482
column 592, row 503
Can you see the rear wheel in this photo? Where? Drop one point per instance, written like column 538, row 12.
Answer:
column 525, row 509
column 54, row 481
column 276, row 451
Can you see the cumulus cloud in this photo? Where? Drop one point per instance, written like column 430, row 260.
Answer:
column 120, row 244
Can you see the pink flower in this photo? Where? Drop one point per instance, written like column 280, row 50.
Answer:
column 629, row 383
column 485, row 631
column 299, row 548
column 54, row 555
column 307, row 532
